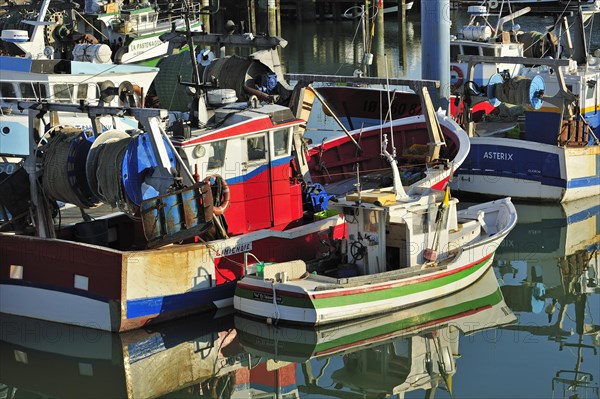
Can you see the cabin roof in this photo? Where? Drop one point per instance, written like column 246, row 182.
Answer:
column 50, row 67
column 239, row 120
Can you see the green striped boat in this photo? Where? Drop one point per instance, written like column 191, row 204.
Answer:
column 478, row 307
column 400, row 251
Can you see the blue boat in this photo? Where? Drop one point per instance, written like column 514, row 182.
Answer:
column 543, row 145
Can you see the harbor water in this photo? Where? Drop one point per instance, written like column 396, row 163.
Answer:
column 530, row 328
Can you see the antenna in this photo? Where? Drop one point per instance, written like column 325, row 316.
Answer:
column 357, row 184
column 387, row 85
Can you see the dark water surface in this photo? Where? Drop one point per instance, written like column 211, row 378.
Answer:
column 528, row 329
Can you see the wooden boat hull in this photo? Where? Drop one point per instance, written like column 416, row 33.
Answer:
column 316, row 308
column 335, row 160
column 107, row 289
column 480, row 306
column 313, row 299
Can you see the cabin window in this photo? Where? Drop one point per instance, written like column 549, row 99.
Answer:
column 470, row 50
column 27, row 91
column 591, row 90
column 96, row 93
column 8, row 92
column 489, row 52
column 143, row 19
column 82, row 91
column 257, row 149
column 454, row 52
column 62, row 92
column 216, row 154
column 281, row 140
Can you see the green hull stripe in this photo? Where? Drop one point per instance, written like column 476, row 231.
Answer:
column 295, row 349
column 363, row 298
column 355, row 299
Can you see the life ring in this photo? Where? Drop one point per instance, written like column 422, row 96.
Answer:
column 459, row 78
column 225, row 195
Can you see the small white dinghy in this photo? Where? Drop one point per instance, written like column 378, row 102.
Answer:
column 399, row 251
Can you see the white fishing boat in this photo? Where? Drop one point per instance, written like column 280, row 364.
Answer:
column 479, row 306
column 390, row 354
column 401, row 250
column 481, row 36
column 543, row 145
column 66, row 82
column 131, row 33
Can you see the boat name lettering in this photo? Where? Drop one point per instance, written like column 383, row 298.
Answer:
column 144, row 45
column 397, row 108
column 264, row 297
column 503, row 156
column 235, row 250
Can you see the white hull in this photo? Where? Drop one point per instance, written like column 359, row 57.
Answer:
column 342, row 313
column 56, row 306
column 305, row 298
column 529, row 170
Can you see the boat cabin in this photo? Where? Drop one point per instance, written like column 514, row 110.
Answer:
column 251, row 148
column 458, row 70
column 137, row 20
column 384, row 235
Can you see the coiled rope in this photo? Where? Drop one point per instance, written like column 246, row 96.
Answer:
column 513, row 91
column 59, row 178
column 108, row 173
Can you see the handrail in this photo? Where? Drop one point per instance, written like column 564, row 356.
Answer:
column 412, row 83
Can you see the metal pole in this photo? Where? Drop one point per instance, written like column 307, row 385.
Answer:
column 402, row 32
column 272, row 17
column 206, row 15
column 252, row 15
column 380, row 44
column 435, row 48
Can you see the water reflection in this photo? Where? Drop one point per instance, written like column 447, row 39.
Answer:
column 550, row 268
column 336, row 47
column 404, row 351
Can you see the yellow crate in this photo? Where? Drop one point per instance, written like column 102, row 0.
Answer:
column 372, row 197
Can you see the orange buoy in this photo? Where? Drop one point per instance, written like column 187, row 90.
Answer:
column 459, row 77
column 225, row 195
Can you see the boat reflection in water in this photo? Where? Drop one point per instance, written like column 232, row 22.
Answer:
column 58, row 360
column 550, row 269
column 392, row 354
column 209, row 358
